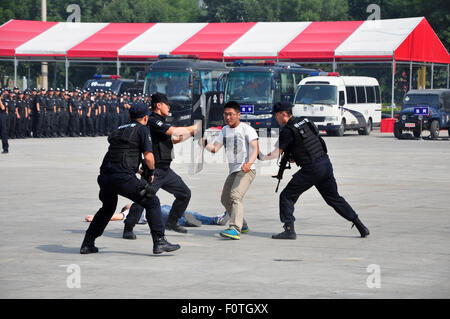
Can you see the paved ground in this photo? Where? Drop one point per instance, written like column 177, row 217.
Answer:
column 399, row 188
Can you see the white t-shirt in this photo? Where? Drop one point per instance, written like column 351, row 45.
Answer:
column 237, row 144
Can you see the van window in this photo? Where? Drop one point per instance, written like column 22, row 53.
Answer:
column 351, row 95
column 287, row 83
column 370, row 93
column 446, row 98
column 360, row 94
column 377, row 95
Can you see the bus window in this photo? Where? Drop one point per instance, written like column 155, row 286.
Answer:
column 298, row 77
column 208, row 79
column 370, row 93
column 287, row 83
column 351, row 94
column 246, row 87
column 360, row 94
column 174, row 84
column 377, row 95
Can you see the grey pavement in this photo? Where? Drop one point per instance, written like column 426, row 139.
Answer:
column 400, row 189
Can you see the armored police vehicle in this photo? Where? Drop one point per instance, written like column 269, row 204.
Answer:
column 435, row 103
column 338, row 103
column 257, row 86
column 114, row 83
column 184, row 79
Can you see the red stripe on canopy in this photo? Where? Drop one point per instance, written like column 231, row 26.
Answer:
column 422, row 45
column 16, row 32
column 319, row 40
column 107, row 42
column 213, row 39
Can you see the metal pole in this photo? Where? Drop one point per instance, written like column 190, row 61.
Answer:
column 334, row 63
column 432, row 75
column 410, row 75
column 118, row 66
column 44, row 65
column 448, row 69
column 15, row 71
column 393, row 80
column 67, row 74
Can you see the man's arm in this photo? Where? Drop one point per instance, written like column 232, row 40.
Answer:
column 149, row 160
column 180, row 134
column 255, row 151
column 272, row 155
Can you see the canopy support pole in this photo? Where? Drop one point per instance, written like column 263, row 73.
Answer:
column 393, row 88
column 118, row 66
column 410, row 75
column 432, row 75
column 15, row 71
column 334, row 63
column 67, row 74
column 448, row 69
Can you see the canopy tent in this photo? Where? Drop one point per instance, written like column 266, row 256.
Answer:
column 409, row 39
column 395, row 40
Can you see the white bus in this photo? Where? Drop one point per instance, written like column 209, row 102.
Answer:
column 339, row 103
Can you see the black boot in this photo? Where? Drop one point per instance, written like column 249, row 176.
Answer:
column 175, row 227
column 361, row 228
column 160, row 245
column 128, row 233
column 289, row 232
column 87, row 247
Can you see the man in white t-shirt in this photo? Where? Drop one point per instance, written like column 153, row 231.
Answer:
column 241, row 147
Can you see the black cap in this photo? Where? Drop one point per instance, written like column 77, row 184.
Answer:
column 282, row 106
column 159, row 98
column 139, row 110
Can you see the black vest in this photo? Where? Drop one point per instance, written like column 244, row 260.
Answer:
column 124, row 146
column 162, row 148
column 308, row 145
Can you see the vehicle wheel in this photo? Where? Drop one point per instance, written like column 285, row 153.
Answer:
column 434, row 129
column 367, row 129
column 417, row 132
column 340, row 131
column 397, row 130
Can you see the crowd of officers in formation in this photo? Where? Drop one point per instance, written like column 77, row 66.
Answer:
column 41, row 113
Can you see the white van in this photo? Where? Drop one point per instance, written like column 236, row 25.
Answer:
column 339, row 103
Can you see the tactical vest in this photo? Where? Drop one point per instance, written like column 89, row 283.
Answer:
column 308, row 145
column 162, row 150
column 124, row 146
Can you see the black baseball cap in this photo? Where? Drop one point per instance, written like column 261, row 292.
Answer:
column 159, row 98
column 282, row 106
column 139, row 110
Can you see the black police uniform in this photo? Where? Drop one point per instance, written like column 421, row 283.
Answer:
column 4, row 127
column 164, row 177
column 101, row 116
column 86, row 126
column 37, row 115
column 21, row 122
column 74, row 117
column 300, row 140
column 117, row 177
column 10, row 104
column 63, row 125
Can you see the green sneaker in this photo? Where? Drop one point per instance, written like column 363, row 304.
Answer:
column 244, row 229
column 230, row 233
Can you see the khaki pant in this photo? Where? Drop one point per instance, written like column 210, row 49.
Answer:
column 234, row 189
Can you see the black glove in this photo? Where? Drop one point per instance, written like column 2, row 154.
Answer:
column 147, row 190
column 147, row 173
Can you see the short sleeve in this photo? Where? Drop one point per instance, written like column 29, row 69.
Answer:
column 158, row 126
column 145, row 139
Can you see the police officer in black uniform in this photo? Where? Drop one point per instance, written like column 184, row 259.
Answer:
column 3, row 123
column 75, row 110
column 10, row 103
column 300, row 141
column 118, row 177
column 21, row 105
column 165, row 177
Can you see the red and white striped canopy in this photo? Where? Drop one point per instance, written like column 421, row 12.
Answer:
column 410, row 39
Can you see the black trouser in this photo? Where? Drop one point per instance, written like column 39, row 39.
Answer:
column 12, row 124
column 63, row 123
column 37, row 124
column 4, row 130
column 49, row 118
column 169, row 181
column 320, row 175
column 127, row 185
column 21, row 126
column 101, row 129
column 74, row 124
